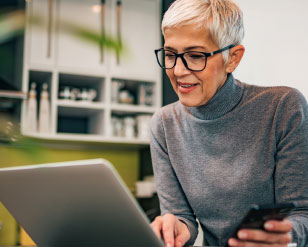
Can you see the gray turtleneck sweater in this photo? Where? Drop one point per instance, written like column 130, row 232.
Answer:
column 247, row 145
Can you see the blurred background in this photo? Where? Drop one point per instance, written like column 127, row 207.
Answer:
column 91, row 66
column 79, row 80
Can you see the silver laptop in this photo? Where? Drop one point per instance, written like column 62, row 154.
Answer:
column 78, row 203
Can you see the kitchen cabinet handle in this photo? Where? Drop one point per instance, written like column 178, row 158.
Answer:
column 49, row 27
column 102, row 30
column 119, row 8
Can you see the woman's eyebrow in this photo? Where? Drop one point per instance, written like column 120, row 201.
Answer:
column 189, row 48
column 169, row 48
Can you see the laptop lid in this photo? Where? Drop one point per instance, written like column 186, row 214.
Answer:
column 77, row 203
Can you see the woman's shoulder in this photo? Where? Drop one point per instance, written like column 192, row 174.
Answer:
column 271, row 93
column 168, row 111
column 164, row 118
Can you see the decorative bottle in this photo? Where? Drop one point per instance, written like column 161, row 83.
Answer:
column 31, row 117
column 44, row 113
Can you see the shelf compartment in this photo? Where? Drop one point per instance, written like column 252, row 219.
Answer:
column 77, row 120
column 80, row 104
column 40, row 77
column 129, row 125
column 132, row 92
column 80, row 88
column 126, row 109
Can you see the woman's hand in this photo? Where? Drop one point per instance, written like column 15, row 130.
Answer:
column 171, row 230
column 277, row 234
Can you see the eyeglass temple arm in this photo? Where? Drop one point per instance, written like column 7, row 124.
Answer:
column 222, row 49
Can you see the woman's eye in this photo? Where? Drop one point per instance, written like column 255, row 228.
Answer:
column 195, row 56
column 169, row 55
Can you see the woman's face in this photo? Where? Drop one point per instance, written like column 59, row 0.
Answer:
column 204, row 84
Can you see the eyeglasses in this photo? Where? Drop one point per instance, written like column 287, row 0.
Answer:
column 193, row 60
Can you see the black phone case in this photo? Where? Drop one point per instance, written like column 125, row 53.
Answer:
column 259, row 214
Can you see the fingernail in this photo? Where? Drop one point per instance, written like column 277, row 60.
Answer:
column 232, row 242
column 268, row 226
column 179, row 244
column 168, row 245
column 242, row 235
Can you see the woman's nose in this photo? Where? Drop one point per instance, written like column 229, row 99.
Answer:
column 180, row 68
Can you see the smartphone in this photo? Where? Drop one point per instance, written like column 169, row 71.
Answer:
column 259, row 214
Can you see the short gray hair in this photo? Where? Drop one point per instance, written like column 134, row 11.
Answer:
column 222, row 18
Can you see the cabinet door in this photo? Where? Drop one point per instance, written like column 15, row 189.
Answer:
column 73, row 50
column 41, row 36
column 137, row 23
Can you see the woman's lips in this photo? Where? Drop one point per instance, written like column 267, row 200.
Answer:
column 186, row 87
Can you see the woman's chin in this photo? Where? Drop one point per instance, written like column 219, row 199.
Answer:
column 190, row 102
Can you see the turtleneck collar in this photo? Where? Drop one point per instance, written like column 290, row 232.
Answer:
column 225, row 99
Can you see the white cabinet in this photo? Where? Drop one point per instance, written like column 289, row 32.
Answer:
column 138, row 27
column 41, row 48
column 74, row 52
column 95, row 94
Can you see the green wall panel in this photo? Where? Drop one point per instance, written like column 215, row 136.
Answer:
column 126, row 162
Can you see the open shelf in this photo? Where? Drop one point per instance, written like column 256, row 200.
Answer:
column 88, row 86
column 81, row 88
column 75, row 120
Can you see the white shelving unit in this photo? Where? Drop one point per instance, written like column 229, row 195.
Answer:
column 66, row 63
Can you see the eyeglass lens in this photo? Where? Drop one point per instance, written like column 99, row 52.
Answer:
column 194, row 60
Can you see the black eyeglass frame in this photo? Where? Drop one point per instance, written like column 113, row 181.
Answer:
column 181, row 55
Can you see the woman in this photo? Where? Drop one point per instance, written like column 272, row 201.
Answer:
column 225, row 145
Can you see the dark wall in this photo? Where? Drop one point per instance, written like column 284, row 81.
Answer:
column 11, row 59
column 11, row 50
column 169, row 96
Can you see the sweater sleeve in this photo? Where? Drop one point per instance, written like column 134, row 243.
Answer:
column 291, row 175
column 171, row 195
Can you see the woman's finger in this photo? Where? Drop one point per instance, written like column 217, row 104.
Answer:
column 156, row 226
column 240, row 243
column 278, row 226
column 168, row 229
column 265, row 237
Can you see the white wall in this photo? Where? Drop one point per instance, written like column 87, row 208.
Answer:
column 276, row 42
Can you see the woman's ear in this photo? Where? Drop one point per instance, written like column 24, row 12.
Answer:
column 235, row 56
